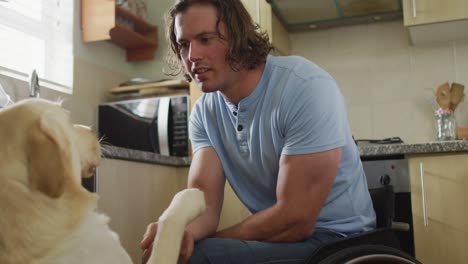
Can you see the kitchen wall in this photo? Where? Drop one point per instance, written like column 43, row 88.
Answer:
column 155, row 68
column 388, row 83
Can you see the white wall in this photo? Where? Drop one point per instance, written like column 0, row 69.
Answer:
column 384, row 79
column 154, row 69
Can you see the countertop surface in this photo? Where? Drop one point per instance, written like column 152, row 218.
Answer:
column 367, row 151
column 112, row 152
column 378, row 150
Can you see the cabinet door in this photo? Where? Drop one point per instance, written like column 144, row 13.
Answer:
column 134, row 194
column 279, row 37
column 419, row 12
column 97, row 18
column 439, row 197
column 233, row 211
column 262, row 13
column 251, row 6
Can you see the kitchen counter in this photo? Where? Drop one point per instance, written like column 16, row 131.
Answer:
column 367, row 151
column 112, row 152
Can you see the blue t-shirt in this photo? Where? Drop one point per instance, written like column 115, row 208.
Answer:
column 296, row 108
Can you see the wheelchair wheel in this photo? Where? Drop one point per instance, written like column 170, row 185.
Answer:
column 369, row 254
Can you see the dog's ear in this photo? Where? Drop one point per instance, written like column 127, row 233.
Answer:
column 49, row 158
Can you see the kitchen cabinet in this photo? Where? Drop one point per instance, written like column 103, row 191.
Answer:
column 439, row 197
column 103, row 20
column 262, row 13
column 435, row 20
column 233, row 211
column 134, row 194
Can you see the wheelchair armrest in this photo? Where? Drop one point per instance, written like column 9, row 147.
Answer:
column 380, row 236
column 400, row 226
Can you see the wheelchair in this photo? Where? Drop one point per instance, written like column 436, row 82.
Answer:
column 378, row 246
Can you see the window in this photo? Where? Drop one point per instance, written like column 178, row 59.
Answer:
column 37, row 35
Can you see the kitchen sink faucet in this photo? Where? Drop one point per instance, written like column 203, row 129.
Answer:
column 34, row 87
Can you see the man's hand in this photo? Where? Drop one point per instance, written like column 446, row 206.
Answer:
column 186, row 247
column 147, row 243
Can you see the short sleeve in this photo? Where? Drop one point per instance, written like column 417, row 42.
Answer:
column 197, row 130
column 315, row 118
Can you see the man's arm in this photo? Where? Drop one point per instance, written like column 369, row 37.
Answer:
column 206, row 174
column 304, row 182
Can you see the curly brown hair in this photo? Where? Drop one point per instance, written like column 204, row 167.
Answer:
column 248, row 46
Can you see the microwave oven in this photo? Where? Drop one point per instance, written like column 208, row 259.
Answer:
column 156, row 124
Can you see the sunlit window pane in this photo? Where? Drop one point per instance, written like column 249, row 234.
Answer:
column 28, row 8
column 30, row 55
column 38, row 35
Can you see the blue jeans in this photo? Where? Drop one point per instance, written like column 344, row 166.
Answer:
column 232, row 251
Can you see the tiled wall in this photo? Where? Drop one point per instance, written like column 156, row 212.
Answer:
column 387, row 83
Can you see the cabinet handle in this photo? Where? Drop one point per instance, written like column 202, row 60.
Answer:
column 414, row 8
column 423, row 192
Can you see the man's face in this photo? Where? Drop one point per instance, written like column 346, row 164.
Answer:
column 202, row 51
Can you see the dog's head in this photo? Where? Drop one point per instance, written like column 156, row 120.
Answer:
column 44, row 148
column 43, row 157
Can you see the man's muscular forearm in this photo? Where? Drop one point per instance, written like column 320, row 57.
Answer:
column 273, row 224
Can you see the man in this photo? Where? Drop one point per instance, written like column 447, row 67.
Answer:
column 276, row 129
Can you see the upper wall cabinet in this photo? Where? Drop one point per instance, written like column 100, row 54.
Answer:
column 435, row 20
column 103, row 20
column 262, row 13
column 311, row 15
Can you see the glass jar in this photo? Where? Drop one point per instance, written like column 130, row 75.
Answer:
column 446, row 126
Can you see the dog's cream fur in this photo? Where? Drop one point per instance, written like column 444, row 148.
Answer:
column 46, row 216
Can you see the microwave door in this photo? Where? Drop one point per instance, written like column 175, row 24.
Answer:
column 120, row 125
column 157, row 124
column 163, row 125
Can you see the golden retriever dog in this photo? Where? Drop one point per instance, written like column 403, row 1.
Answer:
column 47, row 217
